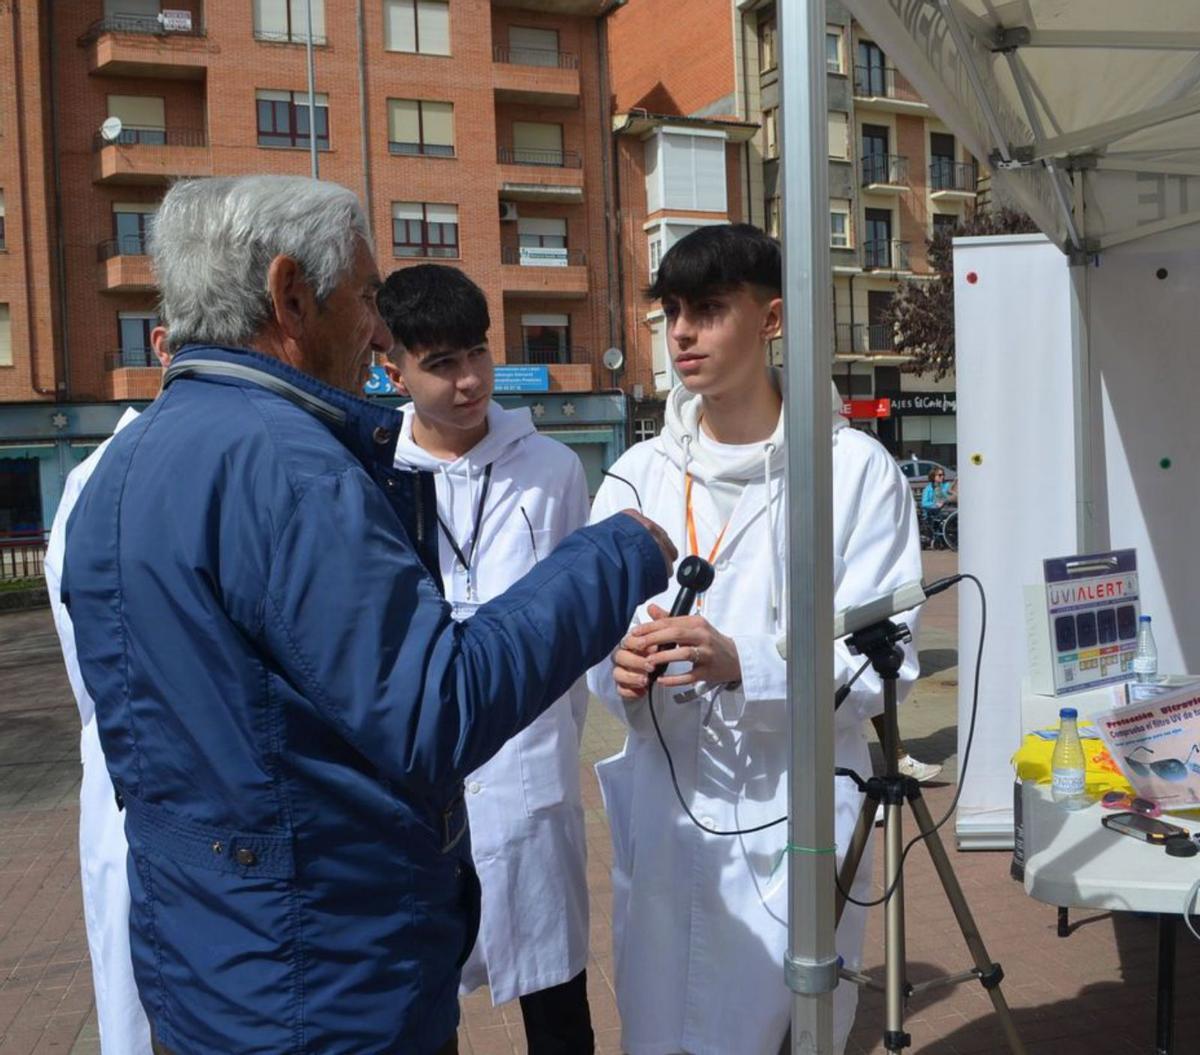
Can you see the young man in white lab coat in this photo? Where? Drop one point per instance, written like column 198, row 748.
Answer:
column 700, row 919
column 104, row 882
column 506, row 496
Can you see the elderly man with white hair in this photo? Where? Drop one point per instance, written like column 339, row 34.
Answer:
column 287, row 708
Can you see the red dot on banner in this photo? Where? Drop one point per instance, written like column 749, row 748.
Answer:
column 972, row 277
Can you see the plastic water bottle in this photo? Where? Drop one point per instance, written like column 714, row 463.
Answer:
column 1145, row 660
column 1067, row 764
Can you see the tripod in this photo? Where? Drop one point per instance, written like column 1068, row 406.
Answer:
column 879, row 644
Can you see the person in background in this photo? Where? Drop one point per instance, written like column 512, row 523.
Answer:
column 506, row 496
column 937, row 493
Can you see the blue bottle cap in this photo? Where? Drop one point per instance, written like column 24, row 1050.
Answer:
column 1068, row 712
column 1143, row 619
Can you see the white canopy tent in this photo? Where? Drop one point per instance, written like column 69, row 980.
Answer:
column 1088, row 112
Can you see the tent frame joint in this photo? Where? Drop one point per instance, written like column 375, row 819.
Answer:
column 1084, row 162
column 811, row 977
column 1018, row 158
column 1008, row 40
column 1085, row 256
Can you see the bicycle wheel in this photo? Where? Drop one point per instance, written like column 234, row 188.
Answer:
column 925, row 527
column 950, row 530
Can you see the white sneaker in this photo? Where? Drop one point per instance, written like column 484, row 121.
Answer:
column 922, row 772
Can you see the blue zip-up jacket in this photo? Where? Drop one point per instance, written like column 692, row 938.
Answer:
column 288, row 710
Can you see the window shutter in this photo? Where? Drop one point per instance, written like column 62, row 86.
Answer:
column 533, row 47
column 545, row 320
column 138, row 111
column 270, row 17
column 542, row 226
column 433, row 27
column 534, row 135
column 438, row 119
column 300, row 19
column 441, row 213
column 399, row 25
column 6, row 353
column 839, row 140
column 407, row 210
column 402, row 121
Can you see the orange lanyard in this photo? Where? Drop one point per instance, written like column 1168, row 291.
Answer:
column 691, row 530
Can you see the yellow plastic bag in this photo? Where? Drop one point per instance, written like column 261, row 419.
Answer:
column 1032, row 763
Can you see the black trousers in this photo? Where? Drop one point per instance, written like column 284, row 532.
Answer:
column 449, row 1048
column 558, row 1021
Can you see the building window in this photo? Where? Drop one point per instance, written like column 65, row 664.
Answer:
column 774, row 226
column 942, row 157
column 133, row 331
column 6, row 352
column 418, row 26
column 644, row 429
column 533, row 47
column 283, row 119
column 944, row 222
column 833, row 50
column 877, row 246
column 424, row 229
column 771, row 133
column 3, row 243
column 839, row 135
column 656, row 255
column 685, row 170
column 142, row 117
column 768, row 41
column 418, row 126
column 537, row 143
column 871, row 72
column 546, row 338
column 132, row 222
column 839, row 223
column 542, row 241
column 286, row 21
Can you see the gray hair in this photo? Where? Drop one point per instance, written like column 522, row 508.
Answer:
column 213, row 241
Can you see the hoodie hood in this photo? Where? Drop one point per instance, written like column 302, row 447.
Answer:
column 505, row 429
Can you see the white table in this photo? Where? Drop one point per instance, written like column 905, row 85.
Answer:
column 1070, row 860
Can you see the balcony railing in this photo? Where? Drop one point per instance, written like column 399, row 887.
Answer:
column 887, row 254
column 143, row 25
column 282, row 36
column 159, row 137
column 22, row 554
column 138, row 358
column 861, row 338
column 881, row 82
column 126, row 245
column 890, row 169
column 562, row 60
column 542, row 256
column 553, row 356
column 945, row 174
column 567, row 159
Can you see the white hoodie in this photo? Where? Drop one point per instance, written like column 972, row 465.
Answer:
column 527, row 832
column 700, row 920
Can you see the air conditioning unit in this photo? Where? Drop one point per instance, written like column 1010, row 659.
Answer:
column 508, row 211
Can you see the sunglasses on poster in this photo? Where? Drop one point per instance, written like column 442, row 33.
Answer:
column 1122, row 800
column 1166, row 768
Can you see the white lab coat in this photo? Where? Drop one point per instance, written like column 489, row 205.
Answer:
column 102, row 847
column 527, row 829
column 700, row 921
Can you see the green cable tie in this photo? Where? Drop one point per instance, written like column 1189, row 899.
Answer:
column 792, row 848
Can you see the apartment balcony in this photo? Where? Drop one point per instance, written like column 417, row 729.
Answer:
column 151, row 155
column 535, row 271
column 882, row 88
column 580, row 8
column 861, row 338
column 885, row 173
column 533, row 77
column 953, row 180
column 885, row 255
column 144, row 46
column 123, row 266
column 540, row 175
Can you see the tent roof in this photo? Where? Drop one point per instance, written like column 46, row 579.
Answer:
column 1087, row 110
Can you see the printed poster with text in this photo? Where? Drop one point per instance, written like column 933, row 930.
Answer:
column 1157, row 746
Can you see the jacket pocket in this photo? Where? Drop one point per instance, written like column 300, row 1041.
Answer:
column 615, row 775
column 221, row 849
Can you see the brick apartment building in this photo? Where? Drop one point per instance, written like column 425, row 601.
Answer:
column 697, row 122
column 475, row 132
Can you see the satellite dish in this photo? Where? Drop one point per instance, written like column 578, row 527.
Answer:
column 111, row 129
column 614, row 359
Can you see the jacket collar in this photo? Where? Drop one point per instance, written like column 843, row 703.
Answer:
column 367, row 429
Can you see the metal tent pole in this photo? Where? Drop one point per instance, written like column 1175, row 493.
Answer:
column 810, row 967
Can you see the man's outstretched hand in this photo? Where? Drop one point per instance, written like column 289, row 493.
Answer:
column 665, row 545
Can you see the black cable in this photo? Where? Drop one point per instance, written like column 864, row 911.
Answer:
column 962, row 772
column 617, row 476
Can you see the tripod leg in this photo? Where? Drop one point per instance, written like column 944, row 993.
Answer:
column 894, row 1037
column 990, row 973
column 855, row 851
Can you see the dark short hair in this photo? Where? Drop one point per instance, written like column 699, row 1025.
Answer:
column 434, row 306
column 719, row 259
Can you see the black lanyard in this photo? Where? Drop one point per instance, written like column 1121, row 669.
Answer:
column 465, row 559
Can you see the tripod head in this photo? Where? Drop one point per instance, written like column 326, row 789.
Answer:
column 880, row 643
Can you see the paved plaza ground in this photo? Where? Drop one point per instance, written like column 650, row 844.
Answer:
column 1089, row 994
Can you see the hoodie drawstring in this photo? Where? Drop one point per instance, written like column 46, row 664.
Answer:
column 768, row 452
column 684, row 462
